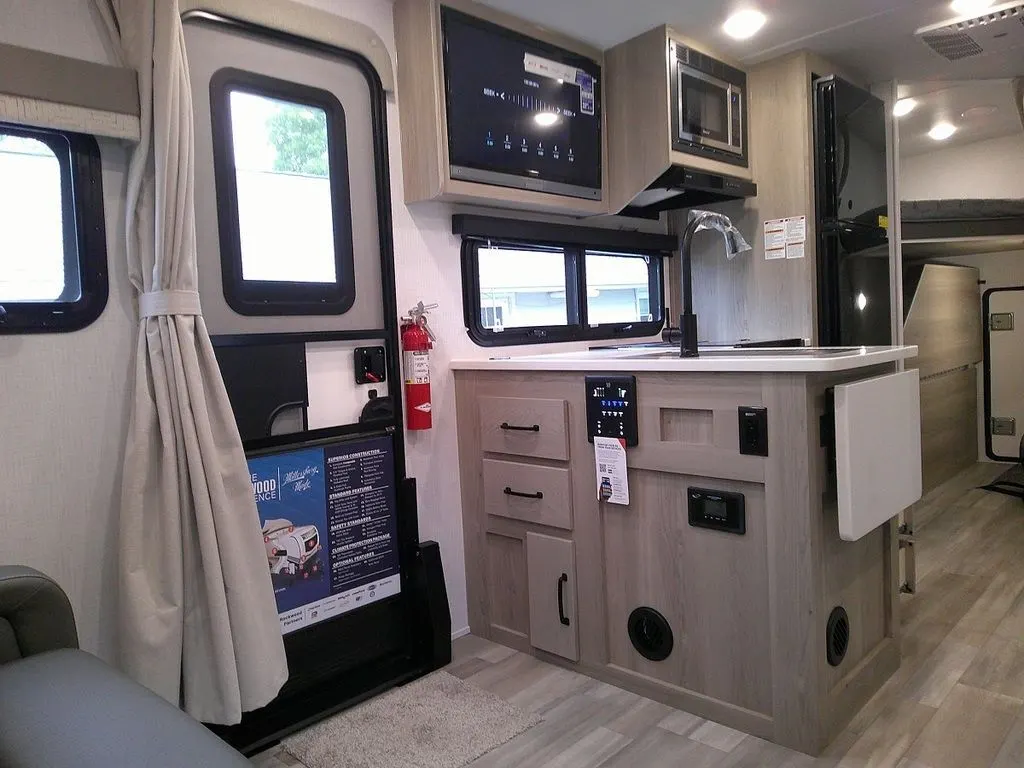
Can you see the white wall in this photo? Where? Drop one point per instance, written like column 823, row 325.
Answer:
column 64, row 411
column 986, row 169
column 998, row 270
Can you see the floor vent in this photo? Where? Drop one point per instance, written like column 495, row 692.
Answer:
column 837, row 636
column 650, row 634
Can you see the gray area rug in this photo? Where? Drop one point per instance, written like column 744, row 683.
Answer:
column 439, row 721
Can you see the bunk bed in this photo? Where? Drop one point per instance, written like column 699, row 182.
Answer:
column 937, row 228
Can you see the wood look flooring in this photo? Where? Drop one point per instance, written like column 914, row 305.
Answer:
column 956, row 702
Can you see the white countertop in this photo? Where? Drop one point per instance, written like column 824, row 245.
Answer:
column 716, row 360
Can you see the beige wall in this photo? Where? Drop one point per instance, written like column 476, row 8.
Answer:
column 986, row 169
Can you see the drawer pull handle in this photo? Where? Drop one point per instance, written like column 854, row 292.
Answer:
column 538, row 495
column 562, row 618
column 510, row 428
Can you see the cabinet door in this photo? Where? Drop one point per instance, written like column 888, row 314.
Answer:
column 551, row 575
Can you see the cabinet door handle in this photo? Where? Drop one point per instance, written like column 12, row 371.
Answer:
column 510, row 428
column 538, row 495
column 562, row 618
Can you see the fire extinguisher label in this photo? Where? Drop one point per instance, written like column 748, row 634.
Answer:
column 423, row 408
column 417, row 367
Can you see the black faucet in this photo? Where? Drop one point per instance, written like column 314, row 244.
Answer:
column 734, row 244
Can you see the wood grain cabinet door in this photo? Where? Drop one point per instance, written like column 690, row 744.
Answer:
column 551, row 575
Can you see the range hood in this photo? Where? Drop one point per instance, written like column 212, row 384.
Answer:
column 682, row 187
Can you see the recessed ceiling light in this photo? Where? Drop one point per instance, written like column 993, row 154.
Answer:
column 545, row 119
column 970, row 7
column 904, row 107
column 744, row 24
column 942, row 131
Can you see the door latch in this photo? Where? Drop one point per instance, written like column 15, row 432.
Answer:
column 1001, row 321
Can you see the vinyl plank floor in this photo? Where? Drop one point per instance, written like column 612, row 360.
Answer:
column 956, row 701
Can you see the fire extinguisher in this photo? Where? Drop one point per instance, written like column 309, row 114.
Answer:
column 417, row 341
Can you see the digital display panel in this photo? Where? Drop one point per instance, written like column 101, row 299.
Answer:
column 519, row 108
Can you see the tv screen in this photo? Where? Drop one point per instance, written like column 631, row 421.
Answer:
column 521, row 113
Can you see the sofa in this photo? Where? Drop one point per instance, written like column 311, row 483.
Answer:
column 61, row 706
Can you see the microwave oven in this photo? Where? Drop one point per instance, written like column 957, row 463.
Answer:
column 709, row 105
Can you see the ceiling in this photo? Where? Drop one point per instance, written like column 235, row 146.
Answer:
column 872, row 37
column 980, row 109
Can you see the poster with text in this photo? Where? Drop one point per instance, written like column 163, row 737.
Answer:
column 329, row 520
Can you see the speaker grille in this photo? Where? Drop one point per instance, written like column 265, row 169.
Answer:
column 650, row 634
column 837, row 636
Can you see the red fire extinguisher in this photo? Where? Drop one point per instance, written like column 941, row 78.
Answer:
column 417, row 341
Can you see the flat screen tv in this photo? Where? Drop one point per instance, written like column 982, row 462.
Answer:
column 521, row 113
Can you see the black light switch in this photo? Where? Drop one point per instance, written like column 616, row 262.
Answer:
column 753, row 431
column 370, row 365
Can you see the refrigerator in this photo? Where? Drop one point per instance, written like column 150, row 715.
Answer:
column 851, row 200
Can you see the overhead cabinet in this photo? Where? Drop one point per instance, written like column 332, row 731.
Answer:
column 474, row 132
column 658, row 84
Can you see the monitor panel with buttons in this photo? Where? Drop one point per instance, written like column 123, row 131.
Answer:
column 611, row 408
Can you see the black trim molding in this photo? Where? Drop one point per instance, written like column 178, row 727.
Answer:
column 85, row 239
column 986, row 303
column 575, row 243
column 264, row 297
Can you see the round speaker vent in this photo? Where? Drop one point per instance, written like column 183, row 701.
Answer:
column 650, row 634
column 837, row 636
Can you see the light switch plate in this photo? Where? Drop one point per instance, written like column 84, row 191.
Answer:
column 1001, row 321
column 1004, row 427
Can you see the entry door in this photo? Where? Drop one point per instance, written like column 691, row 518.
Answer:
column 1004, row 372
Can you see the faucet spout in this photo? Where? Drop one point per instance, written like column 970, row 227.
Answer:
column 735, row 244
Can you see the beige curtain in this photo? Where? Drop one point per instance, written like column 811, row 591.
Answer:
column 198, row 621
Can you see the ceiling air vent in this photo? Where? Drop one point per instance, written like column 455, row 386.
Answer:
column 997, row 30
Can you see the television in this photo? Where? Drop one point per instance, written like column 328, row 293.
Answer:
column 521, row 113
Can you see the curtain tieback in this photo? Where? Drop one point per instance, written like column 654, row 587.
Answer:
column 162, row 303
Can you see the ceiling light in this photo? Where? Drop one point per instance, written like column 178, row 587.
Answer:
column 904, row 107
column 942, row 131
column 970, row 7
column 545, row 119
column 744, row 24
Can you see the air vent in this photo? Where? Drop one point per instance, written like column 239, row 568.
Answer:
column 650, row 634
column 997, row 30
column 837, row 636
column 953, row 47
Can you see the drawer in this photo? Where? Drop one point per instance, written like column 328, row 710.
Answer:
column 526, row 492
column 524, row 427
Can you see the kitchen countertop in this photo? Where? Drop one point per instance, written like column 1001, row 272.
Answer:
column 714, row 360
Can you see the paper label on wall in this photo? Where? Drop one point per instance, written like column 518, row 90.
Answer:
column 610, row 462
column 785, row 238
column 794, row 250
column 796, row 230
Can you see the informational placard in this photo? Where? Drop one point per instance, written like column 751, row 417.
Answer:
column 329, row 520
column 610, row 462
column 785, row 238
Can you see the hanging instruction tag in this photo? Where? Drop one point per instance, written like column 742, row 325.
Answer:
column 610, row 461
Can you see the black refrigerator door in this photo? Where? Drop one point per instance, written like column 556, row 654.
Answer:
column 851, row 194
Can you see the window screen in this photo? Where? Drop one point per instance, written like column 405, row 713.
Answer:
column 281, row 167
column 521, row 292
column 52, row 237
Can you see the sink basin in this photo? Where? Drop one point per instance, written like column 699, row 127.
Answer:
column 756, row 352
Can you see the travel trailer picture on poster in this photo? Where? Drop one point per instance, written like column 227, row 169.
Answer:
column 329, row 528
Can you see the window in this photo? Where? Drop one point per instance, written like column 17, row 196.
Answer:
column 53, row 255
column 527, row 282
column 281, row 167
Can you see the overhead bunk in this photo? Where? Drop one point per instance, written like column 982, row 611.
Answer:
column 936, row 228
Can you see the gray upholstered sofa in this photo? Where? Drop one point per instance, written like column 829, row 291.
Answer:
column 60, row 706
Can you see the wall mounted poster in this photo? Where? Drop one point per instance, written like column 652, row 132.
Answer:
column 329, row 520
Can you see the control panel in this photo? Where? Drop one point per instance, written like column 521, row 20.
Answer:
column 717, row 510
column 611, row 408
